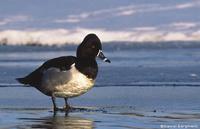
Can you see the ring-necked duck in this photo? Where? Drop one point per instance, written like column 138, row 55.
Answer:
column 68, row 76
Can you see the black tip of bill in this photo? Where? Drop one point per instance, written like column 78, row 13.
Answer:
column 107, row 60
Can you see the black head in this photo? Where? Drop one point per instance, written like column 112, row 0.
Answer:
column 91, row 48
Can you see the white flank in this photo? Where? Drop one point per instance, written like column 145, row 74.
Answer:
column 65, row 84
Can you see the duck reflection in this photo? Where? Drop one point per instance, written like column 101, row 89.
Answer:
column 60, row 122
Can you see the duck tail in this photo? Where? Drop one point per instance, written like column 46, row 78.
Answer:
column 22, row 80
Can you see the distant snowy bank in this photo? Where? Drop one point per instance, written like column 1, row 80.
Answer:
column 75, row 36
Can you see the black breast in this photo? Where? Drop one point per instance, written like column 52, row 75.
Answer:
column 88, row 67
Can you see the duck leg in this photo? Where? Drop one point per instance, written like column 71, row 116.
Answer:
column 67, row 107
column 54, row 103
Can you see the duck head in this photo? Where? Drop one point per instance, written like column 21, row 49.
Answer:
column 91, row 48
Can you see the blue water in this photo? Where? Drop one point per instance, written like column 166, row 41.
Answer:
column 142, row 88
column 131, row 66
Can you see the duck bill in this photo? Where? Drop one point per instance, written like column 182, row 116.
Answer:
column 102, row 57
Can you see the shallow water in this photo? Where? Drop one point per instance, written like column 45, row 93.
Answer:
column 103, row 107
column 141, row 88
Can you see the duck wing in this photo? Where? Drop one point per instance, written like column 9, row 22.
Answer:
column 34, row 78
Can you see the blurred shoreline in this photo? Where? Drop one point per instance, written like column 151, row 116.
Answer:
column 108, row 46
